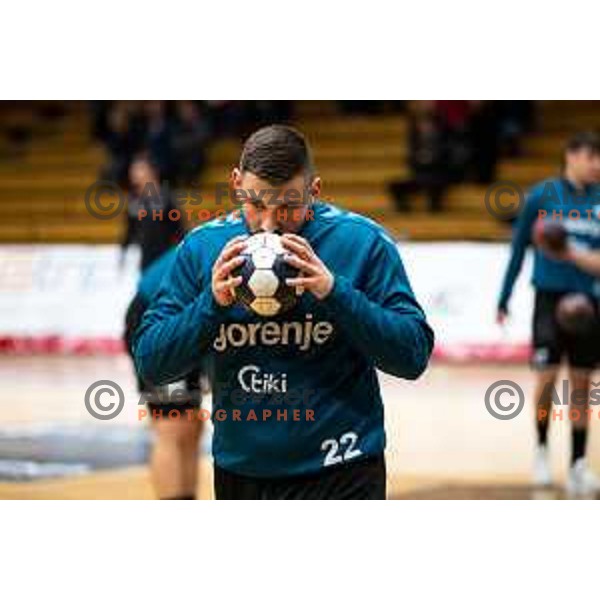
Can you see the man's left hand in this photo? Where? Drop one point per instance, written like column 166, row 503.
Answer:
column 314, row 275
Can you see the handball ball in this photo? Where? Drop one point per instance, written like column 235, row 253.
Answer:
column 549, row 235
column 575, row 314
column 263, row 289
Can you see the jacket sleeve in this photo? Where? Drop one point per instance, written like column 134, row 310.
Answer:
column 383, row 320
column 180, row 323
column 520, row 242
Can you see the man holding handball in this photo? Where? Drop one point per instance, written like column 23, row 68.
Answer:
column 357, row 313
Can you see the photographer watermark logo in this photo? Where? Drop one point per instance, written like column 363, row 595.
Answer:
column 504, row 399
column 104, row 399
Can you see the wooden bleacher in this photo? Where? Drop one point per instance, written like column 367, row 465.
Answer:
column 42, row 190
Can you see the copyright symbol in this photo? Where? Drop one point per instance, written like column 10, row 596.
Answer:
column 504, row 199
column 504, row 410
column 104, row 211
column 104, row 410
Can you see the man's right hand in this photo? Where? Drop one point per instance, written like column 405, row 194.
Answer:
column 501, row 316
column 223, row 283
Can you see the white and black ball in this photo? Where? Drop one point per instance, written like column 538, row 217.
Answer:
column 263, row 289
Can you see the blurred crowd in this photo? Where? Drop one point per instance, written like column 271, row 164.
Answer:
column 449, row 141
column 455, row 141
column 174, row 135
column 151, row 143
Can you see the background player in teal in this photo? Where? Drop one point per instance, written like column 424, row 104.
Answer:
column 358, row 313
column 174, row 457
column 575, row 190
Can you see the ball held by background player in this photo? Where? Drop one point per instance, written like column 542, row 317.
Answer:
column 550, row 236
column 575, row 314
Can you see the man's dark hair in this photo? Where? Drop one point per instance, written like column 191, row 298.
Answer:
column 276, row 153
column 584, row 140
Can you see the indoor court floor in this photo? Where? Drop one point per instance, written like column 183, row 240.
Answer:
column 442, row 441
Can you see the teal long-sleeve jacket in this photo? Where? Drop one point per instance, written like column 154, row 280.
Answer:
column 319, row 359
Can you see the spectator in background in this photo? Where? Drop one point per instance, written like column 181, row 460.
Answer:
column 157, row 137
column 99, row 111
column 516, row 117
column 122, row 133
column 190, row 137
column 428, row 160
column 155, row 232
column 227, row 117
column 454, row 117
column 483, row 128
